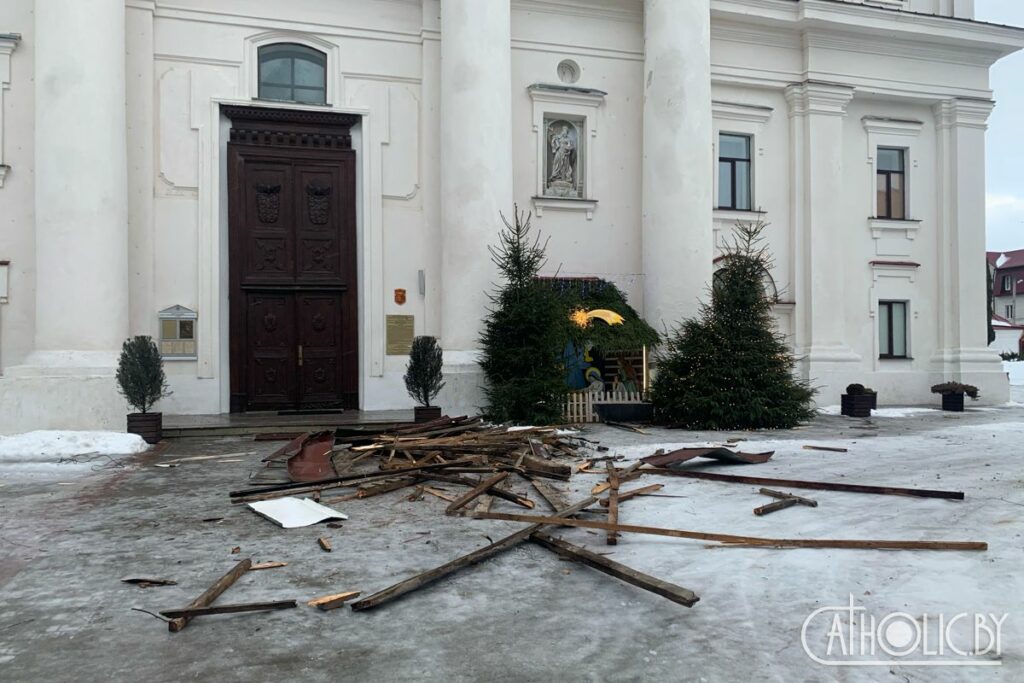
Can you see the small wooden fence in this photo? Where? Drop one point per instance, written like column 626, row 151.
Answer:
column 579, row 405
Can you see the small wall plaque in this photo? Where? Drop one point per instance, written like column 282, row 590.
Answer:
column 178, row 333
column 399, row 334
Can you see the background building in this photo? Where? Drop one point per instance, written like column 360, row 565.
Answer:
column 281, row 192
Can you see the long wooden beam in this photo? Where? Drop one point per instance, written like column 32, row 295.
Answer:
column 816, row 485
column 211, row 594
column 729, row 538
column 190, row 612
column 612, row 568
column 613, row 502
column 428, row 577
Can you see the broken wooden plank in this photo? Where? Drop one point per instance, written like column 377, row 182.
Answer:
column 613, row 501
column 576, row 553
column 782, row 495
column 428, row 577
column 329, row 602
column 626, row 495
column 439, row 494
column 267, row 565
column 386, row 486
column 510, row 496
column 325, row 543
column 475, row 492
column 148, row 581
column 832, row 449
column 774, row 507
column 211, row 594
column 190, row 612
column 816, row 485
column 327, row 483
column 549, row 493
column 729, row 538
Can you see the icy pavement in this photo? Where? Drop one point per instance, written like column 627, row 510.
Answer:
column 524, row 615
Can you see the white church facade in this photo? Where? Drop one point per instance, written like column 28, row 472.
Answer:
column 281, row 193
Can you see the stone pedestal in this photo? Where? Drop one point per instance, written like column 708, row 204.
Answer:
column 677, row 159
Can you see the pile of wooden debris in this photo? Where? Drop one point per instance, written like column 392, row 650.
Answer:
column 485, row 460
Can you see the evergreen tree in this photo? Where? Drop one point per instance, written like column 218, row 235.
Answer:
column 140, row 373
column 729, row 368
column 423, row 374
column 524, row 335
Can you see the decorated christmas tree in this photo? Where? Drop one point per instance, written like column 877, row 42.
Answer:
column 524, row 333
column 729, row 368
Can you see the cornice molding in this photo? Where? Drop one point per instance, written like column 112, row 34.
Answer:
column 736, row 111
column 816, row 97
column 963, row 113
column 578, row 9
column 887, row 126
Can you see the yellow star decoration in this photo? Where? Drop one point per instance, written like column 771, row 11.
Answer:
column 583, row 318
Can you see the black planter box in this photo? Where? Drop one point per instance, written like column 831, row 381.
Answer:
column 874, row 401
column 857, row 405
column 427, row 413
column 953, row 402
column 147, row 425
column 624, row 412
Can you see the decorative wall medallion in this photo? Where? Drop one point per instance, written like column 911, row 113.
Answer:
column 268, row 203
column 318, row 322
column 400, row 296
column 318, row 200
column 562, row 161
column 320, row 375
column 270, row 322
column 568, row 71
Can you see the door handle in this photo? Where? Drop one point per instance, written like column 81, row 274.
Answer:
column 300, row 355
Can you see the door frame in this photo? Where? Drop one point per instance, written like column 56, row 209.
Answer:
column 274, row 132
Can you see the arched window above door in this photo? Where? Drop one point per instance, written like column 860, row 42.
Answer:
column 289, row 72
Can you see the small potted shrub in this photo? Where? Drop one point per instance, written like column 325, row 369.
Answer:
column 141, row 380
column 953, row 395
column 423, row 377
column 857, row 401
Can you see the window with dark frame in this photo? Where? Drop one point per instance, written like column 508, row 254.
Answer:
column 1008, row 283
column 892, row 329
column 1008, row 310
column 289, row 72
column 734, row 187
column 891, row 183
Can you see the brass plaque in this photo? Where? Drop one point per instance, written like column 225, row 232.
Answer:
column 399, row 334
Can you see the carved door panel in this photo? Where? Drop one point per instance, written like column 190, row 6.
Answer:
column 272, row 350
column 291, row 182
column 319, row 338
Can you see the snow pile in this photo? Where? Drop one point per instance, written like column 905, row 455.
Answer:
column 1015, row 369
column 46, row 445
column 881, row 412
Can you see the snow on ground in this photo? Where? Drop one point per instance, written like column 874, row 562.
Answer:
column 63, row 454
column 46, row 445
column 882, row 412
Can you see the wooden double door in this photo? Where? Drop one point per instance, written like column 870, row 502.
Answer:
column 292, row 245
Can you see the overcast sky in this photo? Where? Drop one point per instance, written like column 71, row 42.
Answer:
column 1005, row 143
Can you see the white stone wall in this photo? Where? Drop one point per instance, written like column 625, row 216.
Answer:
column 776, row 75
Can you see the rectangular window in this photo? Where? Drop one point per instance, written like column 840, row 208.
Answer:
column 891, row 184
column 1009, row 312
column 1008, row 283
column 734, row 190
column 892, row 329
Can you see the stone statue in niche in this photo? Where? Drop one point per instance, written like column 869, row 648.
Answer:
column 562, row 176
